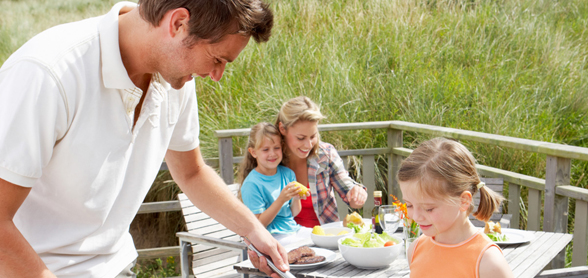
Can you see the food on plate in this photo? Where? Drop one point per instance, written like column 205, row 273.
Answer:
column 492, row 227
column 304, row 255
column 355, row 222
column 303, row 188
column 318, row 230
column 354, row 218
column 342, row 233
column 310, row 260
column 370, row 240
column 494, row 231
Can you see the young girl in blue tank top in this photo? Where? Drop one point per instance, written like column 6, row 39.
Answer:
column 268, row 189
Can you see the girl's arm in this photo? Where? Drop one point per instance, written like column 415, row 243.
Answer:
column 270, row 213
column 493, row 264
column 296, row 206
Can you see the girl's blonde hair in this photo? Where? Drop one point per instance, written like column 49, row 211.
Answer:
column 444, row 167
column 299, row 109
column 256, row 135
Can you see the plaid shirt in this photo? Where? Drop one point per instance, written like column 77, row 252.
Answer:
column 327, row 174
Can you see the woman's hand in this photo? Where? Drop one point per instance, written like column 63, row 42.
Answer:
column 356, row 196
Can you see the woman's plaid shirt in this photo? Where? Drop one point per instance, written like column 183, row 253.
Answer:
column 327, row 174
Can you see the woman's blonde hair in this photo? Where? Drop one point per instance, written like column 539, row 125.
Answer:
column 256, row 135
column 299, row 109
column 444, row 167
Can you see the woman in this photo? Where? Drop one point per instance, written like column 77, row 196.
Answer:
column 316, row 164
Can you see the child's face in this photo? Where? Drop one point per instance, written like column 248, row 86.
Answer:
column 437, row 218
column 268, row 155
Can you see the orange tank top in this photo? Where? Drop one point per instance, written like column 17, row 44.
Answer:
column 433, row 259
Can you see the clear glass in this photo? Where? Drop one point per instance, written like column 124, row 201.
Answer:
column 411, row 231
column 389, row 218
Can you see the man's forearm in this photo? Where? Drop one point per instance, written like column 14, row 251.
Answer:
column 17, row 257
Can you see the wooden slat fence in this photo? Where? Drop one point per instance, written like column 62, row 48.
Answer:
column 554, row 189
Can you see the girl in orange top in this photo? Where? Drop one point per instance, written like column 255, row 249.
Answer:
column 437, row 182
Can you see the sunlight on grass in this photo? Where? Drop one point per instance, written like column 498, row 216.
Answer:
column 516, row 68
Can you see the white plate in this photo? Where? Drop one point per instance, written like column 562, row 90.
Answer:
column 367, row 221
column 328, row 254
column 515, row 236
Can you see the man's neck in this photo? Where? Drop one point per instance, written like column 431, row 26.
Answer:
column 133, row 37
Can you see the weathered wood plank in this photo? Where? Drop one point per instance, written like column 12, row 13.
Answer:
column 570, row 272
column 395, row 141
column 557, row 173
column 487, row 171
column 159, row 252
column 323, row 127
column 513, row 205
column 580, row 249
column 534, row 210
column 553, row 149
column 369, row 175
column 574, row 192
column 225, row 155
column 165, row 206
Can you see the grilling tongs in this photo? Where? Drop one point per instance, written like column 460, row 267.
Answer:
column 271, row 264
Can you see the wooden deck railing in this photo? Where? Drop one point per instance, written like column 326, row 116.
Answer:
column 554, row 187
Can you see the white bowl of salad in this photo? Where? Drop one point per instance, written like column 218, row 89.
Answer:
column 327, row 238
column 370, row 250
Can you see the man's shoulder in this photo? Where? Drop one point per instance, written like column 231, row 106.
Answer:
column 57, row 43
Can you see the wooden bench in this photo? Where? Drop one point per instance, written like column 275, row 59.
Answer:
column 496, row 184
column 213, row 248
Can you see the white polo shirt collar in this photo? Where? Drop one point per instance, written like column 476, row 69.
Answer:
column 113, row 70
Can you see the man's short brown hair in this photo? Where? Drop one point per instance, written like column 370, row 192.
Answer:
column 211, row 20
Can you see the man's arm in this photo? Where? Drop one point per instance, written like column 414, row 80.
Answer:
column 209, row 193
column 17, row 257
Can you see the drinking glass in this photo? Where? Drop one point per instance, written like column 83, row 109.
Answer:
column 389, row 218
column 411, row 232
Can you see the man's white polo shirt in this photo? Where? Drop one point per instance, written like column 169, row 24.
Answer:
column 66, row 131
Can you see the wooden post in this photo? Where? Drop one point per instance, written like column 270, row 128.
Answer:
column 534, row 210
column 225, row 157
column 185, row 262
column 394, row 141
column 555, row 210
column 513, row 205
column 369, row 180
column 580, row 234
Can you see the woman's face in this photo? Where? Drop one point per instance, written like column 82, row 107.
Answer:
column 300, row 138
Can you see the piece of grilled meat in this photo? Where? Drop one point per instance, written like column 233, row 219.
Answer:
column 310, row 260
column 304, row 255
column 298, row 253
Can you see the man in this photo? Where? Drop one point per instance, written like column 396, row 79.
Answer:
column 88, row 110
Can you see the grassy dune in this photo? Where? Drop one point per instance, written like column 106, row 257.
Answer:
column 516, row 68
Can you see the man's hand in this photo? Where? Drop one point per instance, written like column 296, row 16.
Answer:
column 266, row 244
column 207, row 190
column 356, row 196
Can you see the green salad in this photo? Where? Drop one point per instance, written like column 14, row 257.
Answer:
column 370, row 240
column 359, row 229
column 497, row 236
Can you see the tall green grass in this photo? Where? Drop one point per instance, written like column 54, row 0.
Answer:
column 511, row 67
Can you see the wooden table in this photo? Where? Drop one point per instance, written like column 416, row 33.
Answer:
column 526, row 260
